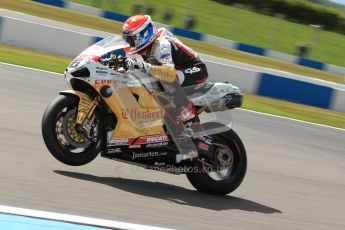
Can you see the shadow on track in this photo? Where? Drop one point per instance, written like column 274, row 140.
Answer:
column 175, row 194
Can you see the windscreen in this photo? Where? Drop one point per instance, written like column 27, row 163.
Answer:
column 102, row 49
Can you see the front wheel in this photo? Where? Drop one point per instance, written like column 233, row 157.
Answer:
column 64, row 140
column 230, row 154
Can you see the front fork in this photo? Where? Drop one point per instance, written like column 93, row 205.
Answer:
column 85, row 113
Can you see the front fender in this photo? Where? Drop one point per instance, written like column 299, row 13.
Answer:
column 86, row 105
column 79, row 94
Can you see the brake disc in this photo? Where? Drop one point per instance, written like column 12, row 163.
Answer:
column 74, row 137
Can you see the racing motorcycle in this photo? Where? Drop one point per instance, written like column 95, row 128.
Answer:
column 114, row 112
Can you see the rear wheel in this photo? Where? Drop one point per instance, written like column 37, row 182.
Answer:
column 231, row 166
column 64, row 139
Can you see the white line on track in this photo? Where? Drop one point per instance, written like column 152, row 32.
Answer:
column 75, row 219
column 251, row 111
column 292, row 119
column 24, row 67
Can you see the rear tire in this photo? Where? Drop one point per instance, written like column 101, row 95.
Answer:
column 58, row 150
column 206, row 184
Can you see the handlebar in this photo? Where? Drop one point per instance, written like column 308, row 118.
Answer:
column 115, row 62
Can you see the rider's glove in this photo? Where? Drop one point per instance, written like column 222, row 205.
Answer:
column 134, row 64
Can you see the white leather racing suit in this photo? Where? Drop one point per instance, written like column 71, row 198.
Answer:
column 167, row 50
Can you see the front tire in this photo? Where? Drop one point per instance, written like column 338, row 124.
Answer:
column 62, row 150
column 203, row 181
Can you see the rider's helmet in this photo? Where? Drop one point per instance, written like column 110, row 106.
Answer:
column 139, row 31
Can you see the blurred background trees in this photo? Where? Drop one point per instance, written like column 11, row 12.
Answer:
column 297, row 11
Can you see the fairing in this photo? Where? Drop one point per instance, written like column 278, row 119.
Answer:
column 102, row 49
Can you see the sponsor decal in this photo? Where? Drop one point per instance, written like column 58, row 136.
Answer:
column 164, row 74
column 101, row 68
column 146, row 33
column 114, row 74
column 159, row 164
column 157, row 145
column 203, row 146
column 157, row 139
column 134, row 114
column 114, row 151
column 97, row 82
column 134, row 146
column 148, row 139
column 192, row 70
column 207, row 140
column 118, row 141
column 148, row 155
column 101, row 72
column 137, row 142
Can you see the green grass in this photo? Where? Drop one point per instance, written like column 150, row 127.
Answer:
column 33, row 59
column 83, row 20
column 293, row 110
column 57, row 63
column 242, row 25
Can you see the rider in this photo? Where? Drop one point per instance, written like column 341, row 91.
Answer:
column 166, row 58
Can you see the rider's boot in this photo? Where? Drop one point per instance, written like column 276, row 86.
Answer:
column 185, row 142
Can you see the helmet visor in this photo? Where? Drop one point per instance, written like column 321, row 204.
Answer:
column 132, row 40
column 139, row 40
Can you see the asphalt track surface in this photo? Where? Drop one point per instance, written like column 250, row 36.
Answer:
column 295, row 177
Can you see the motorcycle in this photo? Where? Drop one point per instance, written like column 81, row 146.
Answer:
column 115, row 112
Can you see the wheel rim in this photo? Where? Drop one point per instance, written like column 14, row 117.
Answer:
column 67, row 136
column 225, row 159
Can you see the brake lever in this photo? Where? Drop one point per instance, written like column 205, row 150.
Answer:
column 121, row 61
column 115, row 61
